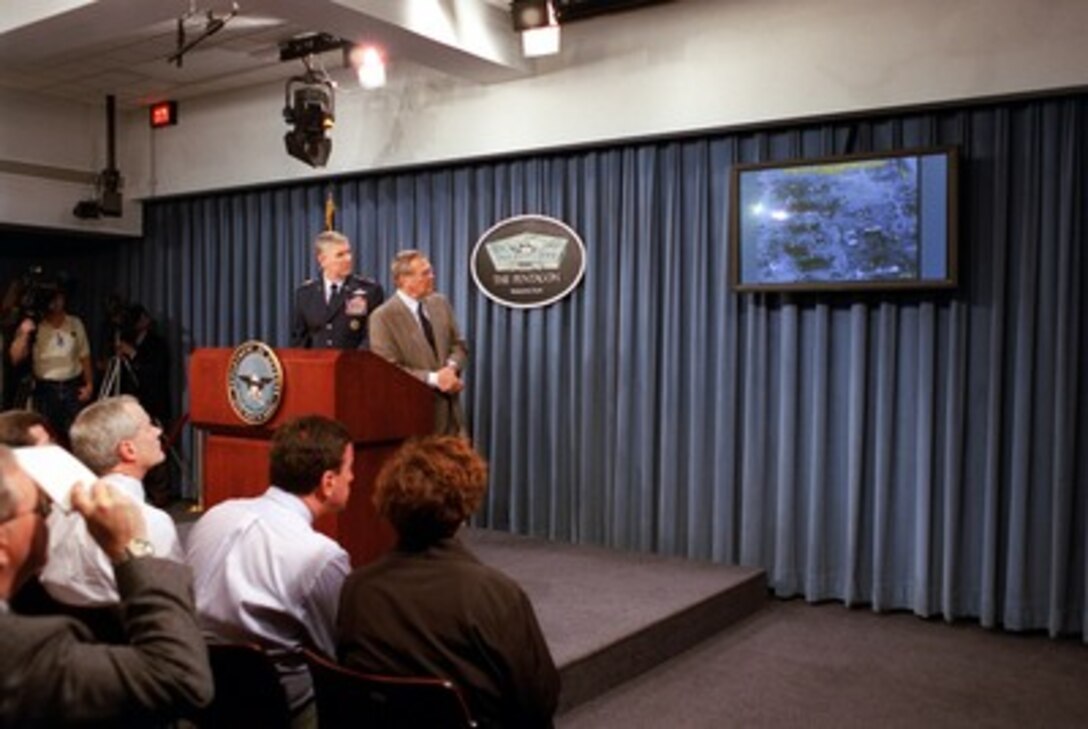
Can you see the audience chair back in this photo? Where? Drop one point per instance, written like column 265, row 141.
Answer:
column 248, row 692
column 349, row 698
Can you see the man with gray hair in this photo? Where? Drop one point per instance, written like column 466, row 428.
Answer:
column 116, row 439
column 331, row 312
column 416, row 331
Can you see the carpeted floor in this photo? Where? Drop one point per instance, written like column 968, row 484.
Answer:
column 798, row 665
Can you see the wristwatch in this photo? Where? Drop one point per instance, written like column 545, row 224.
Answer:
column 137, row 548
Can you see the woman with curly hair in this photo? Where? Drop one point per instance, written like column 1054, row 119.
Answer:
column 431, row 608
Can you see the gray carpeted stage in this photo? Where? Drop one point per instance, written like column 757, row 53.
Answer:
column 609, row 616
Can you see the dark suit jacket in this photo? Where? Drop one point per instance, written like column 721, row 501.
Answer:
column 395, row 334
column 441, row 612
column 317, row 325
column 53, row 673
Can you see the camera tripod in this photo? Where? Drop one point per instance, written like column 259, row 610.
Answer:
column 111, row 381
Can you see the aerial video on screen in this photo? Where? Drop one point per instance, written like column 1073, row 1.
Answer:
column 839, row 222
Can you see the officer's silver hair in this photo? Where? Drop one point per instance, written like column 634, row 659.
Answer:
column 99, row 428
column 402, row 263
column 328, row 238
column 7, row 494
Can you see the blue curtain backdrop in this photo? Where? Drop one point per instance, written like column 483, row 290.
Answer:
column 909, row 451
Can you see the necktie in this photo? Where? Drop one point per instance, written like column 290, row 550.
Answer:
column 428, row 330
column 333, row 290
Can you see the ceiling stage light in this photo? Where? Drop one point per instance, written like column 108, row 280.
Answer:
column 310, row 109
column 529, row 14
column 535, row 20
column 369, row 63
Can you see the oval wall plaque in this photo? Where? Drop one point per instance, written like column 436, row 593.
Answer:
column 528, row 261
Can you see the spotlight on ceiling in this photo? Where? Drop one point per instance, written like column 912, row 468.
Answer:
column 309, row 106
column 536, row 23
column 535, row 20
column 369, row 63
column 107, row 199
column 529, row 14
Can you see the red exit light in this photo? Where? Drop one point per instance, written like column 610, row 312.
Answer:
column 164, row 114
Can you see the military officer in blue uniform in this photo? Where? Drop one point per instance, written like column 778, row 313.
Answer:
column 331, row 312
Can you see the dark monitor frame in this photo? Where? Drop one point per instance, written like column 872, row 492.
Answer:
column 950, row 277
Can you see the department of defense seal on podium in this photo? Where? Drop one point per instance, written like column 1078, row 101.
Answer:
column 254, row 382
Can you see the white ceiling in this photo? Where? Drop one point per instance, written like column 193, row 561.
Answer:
column 83, row 50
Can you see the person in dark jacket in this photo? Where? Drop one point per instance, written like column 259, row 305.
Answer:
column 431, row 608
column 52, row 671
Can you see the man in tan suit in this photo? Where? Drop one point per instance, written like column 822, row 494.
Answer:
column 416, row 330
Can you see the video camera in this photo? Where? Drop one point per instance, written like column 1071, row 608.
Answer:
column 129, row 329
column 38, row 293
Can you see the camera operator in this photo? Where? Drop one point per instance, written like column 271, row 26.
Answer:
column 60, row 359
column 146, row 353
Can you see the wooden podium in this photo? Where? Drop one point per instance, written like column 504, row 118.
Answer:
column 379, row 404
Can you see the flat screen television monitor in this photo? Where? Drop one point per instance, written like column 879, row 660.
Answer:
column 858, row 222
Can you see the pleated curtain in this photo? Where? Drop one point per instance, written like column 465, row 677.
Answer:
column 917, row 451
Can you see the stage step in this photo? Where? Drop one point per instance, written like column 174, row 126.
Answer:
column 609, row 615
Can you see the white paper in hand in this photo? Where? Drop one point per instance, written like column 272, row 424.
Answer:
column 56, row 471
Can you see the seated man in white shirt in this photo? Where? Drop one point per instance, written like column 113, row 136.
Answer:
column 262, row 573
column 115, row 438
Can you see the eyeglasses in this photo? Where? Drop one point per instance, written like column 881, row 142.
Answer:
column 43, row 507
